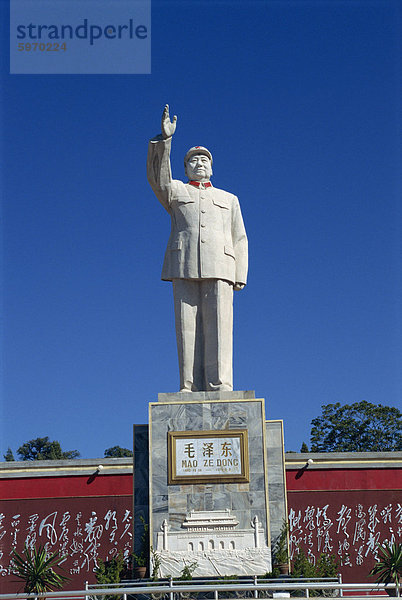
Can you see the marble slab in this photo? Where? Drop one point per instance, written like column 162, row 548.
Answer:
column 247, row 499
column 172, row 504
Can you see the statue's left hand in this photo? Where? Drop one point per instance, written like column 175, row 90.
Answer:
column 239, row 286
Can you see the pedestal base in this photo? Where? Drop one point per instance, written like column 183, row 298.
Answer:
column 216, row 513
column 206, row 512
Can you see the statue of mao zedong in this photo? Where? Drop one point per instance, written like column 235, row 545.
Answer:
column 206, row 259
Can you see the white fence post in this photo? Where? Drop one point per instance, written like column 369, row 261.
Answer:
column 340, row 583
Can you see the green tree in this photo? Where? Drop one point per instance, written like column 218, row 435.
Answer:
column 359, row 427
column 111, row 571
column 9, row 456
column 281, row 547
column 117, row 452
column 304, row 447
column 302, row 567
column 327, row 566
column 187, row 571
column 36, row 569
column 44, row 449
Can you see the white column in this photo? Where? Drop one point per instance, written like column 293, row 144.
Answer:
column 256, row 526
column 165, row 528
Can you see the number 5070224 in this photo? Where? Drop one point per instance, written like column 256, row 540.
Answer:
column 42, row 47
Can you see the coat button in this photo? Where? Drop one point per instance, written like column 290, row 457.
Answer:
column 202, row 224
column 202, row 241
column 203, row 210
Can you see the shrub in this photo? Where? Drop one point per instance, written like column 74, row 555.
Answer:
column 36, row 569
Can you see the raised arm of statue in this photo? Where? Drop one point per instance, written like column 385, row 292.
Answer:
column 158, row 162
column 168, row 126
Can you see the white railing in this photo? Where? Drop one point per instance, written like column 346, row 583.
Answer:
column 178, row 590
column 241, row 585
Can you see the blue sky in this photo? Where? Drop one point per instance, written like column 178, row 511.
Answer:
column 299, row 103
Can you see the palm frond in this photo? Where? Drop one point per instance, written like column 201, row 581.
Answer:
column 36, row 568
column 388, row 568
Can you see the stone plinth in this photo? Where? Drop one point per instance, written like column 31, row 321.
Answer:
column 224, row 516
column 216, row 549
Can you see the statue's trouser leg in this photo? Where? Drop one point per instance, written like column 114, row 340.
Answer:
column 190, row 350
column 217, row 323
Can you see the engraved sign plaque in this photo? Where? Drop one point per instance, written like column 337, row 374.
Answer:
column 208, row 456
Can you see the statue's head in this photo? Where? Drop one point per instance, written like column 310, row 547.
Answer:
column 198, row 164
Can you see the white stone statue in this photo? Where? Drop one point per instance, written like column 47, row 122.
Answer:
column 206, row 259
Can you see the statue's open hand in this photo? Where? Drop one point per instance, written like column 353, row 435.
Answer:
column 168, row 126
column 238, row 286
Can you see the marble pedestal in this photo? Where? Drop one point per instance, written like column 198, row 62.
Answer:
column 221, row 515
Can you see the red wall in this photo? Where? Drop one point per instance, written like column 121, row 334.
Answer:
column 83, row 518
column 344, row 479
column 71, row 486
column 342, row 511
column 346, row 512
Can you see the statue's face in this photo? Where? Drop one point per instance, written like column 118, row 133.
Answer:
column 199, row 168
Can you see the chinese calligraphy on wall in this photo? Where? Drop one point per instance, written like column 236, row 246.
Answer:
column 81, row 530
column 349, row 525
